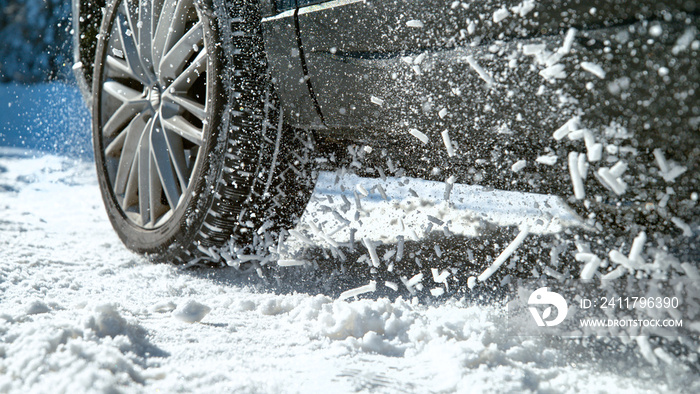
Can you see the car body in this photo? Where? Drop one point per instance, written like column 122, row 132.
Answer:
column 468, row 89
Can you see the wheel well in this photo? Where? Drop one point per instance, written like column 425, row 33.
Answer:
column 87, row 18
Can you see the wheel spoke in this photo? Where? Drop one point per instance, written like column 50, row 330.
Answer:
column 144, row 34
column 188, row 77
column 114, row 148
column 118, row 68
column 178, row 125
column 134, row 131
column 177, row 155
column 127, row 36
column 162, row 159
column 189, row 105
column 173, row 61
column 170, row 27
column 121, row 92
column 122, row 116
column 144, row 168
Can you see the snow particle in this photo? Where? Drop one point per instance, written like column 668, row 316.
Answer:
column 422, row 137
column 593, row 69
column 414, row 23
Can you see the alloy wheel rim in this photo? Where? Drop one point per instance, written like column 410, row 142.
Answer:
column 154, row 106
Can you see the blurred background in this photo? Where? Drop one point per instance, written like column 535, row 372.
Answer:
column 40, row 106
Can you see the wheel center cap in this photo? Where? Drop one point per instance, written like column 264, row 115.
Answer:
column 154, row 97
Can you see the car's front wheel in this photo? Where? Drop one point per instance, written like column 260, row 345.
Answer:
column 190, row 146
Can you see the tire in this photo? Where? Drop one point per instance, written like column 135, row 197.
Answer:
column 190, row 147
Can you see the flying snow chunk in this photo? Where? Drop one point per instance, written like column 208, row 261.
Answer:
column 533, row 49
column 414, row 23
column 479, row 70
column 553, row 72
column 518, row 165
column 568, row 42
column 570, row 125
column 368, row 288
column 500, row 15
column 191, row 311
column 548, row 160
column 505, row 254
column 376, row 100
column 422, row 137
column 523, row 8
column 593, row 69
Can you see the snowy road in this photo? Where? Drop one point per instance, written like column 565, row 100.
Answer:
column 78, row 312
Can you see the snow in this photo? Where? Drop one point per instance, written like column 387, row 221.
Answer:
column 415, row 23
column 593, row 69
column 479, row 70
column 81, row 313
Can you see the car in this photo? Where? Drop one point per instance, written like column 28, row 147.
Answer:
column 211, row 118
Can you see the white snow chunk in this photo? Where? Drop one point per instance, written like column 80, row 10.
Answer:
column 439, row 277
column 618, row 169
column 368, row 288
column 684, row 41
column 106, row 321
column 663, row 355
column 163, row 307
column 523, row 8
column 415, row 23
column 500, row 15
column 191, row 311
column 691, row 271
column 592, row 263
column 593, row 69
column 576, row 179
column 594, row 152
column 291, row 262
column 533, row 49
column 438, row 291
column 614, row 274
column 518, row 165
column 419, row 59
column 637, row 247
column 361, row 189
column 422, row 137
column 416, row 279
column 372, row 251
column 479, row 70
column 669, row 170
column 570, row 125
column 505, row 254
column 608, row 179
column 687, row 231
column 471, row 282
column 37, row 307
column 448, row 143
column 618, row 258
column 555, row 71
column 582, row 166
column 645, row 349
column 391, row 285
column 568, row 41
column 442, row 113
column 548, row 160
column 376, row 100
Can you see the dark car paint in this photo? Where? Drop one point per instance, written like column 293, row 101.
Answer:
column 346, row 48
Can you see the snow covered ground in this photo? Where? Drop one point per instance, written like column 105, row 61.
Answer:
column 78, row 312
